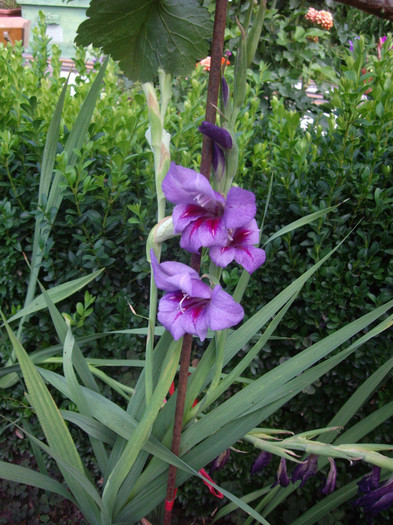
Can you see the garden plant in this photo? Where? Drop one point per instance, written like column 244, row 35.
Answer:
column 208, row 241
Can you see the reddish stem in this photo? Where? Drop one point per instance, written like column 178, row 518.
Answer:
column 206, row 159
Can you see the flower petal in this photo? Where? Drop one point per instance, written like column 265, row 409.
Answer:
column 222, row 255
column 170, row 314
column 250, row 257
column 240, row 208
column 223, row 311
column 183, row 185
column 168, row 275
column 194, row 318
column 203, row 232
column 247, row 234
column 218, row 161
column 263, row 459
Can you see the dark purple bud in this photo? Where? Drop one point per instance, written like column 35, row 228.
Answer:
column 282, row 477
column 220, row 461
column 219, row 135
column 261, row 462
column 371, row 481
column 224, row 92
column 331, row 479
column 218, row 162
column 305, row 470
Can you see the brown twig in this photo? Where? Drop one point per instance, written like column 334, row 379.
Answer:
column 206, row 159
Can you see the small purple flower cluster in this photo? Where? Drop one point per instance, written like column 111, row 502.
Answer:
column 375, row 496
column 205, row 218
column 302, row 472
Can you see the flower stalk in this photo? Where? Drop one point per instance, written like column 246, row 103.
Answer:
column 206, row 160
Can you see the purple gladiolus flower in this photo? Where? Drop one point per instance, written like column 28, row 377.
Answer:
column 378, row 499
column 191, row 306
column 220, row 136
column 202, row 215
column 282, row 477
column 240, row 248
column 261, row 462
column 305, row 470
column 331, row 479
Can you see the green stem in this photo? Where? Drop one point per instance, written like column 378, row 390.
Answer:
column 219, row 362
column 13, row 186
column 149, row 384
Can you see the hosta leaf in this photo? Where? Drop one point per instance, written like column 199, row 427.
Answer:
column 145, row 35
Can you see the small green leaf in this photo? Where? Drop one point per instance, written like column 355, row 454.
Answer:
column 145, row 35
column 379, row 110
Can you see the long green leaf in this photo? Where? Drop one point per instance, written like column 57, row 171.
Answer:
column 252, row 496
column 57, row 294
column 52, row 424
column 300, row 222
column 118, row 421
column 270, row 403
column 143, row 429
column 19, row 474
column 255, row 395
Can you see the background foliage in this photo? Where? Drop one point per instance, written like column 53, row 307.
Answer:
column 108, row 209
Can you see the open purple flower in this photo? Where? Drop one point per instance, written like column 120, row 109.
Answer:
column 191, row 306
column 331, row 479
column 240, row 247
column 201, row 215
column 303, row 471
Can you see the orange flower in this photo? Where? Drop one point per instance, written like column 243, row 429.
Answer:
column 206, row 63
column 322, row 18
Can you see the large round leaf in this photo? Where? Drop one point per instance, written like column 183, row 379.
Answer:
column 145, row 35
